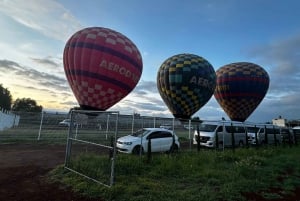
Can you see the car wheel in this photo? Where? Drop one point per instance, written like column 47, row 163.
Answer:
column 137, row 150
column 241, row 144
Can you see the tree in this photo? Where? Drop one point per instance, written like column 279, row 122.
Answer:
column 26, row 105
column 5, row 98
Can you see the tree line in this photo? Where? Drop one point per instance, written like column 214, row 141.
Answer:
column 19, row 105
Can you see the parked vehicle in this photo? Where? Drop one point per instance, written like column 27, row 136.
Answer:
column 296, row 129
column 219, row 133
column 162, row 140
column 252, row 132
column 188, row 127
column 287, row 135
column 166, row 126
column 67, row 122
column 296, row 132
column 264, row 134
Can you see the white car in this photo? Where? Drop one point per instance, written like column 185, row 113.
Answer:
column 161, row 141
column 67, row 122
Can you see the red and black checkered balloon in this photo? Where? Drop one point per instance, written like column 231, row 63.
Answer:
column 102, row 67
column 240, row 88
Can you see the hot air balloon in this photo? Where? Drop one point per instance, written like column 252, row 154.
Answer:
column 102, row 66
column 186, row 82
column 240, row 88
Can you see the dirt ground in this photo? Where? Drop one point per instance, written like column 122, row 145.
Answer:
column 23, row 169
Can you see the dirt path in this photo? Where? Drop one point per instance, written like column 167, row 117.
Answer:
column 22, row 173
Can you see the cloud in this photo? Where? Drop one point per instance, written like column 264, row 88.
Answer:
column 46, row 61
column 145, row 100
column 47, row 17
column 145, row 87
column 281, row 59
column 283, row 55
column 7, row 65
column 33, row 77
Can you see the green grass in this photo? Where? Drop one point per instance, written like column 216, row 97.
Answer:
column 207, row 175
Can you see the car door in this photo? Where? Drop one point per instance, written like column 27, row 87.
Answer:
column 166, row 140
column 155, row 141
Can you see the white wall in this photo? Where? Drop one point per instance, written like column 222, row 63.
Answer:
column 8, row 120
column 279, row 122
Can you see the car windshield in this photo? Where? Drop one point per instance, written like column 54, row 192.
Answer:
column 207, row 127
column 140, row 133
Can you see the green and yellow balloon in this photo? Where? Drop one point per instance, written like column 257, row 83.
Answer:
column 186, row 82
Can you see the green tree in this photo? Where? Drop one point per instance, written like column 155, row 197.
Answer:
column 5, row 98
column 26, row 105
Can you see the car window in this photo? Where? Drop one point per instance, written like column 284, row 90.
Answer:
column 140, row 133
column 220, row 129
column 165, row 134
column 159, row 134
column 252, row 129
column 154, row 135
column 235, row 129
column 273, row 131
column 262, row 130
column 207, row 127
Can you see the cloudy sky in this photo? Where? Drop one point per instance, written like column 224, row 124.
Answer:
column 265, row 32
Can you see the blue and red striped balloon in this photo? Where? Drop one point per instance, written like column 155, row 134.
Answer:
column 240, row 88
column 102, row 66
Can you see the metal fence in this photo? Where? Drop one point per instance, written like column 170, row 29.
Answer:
column 86, row 135
column 97, row 132
column 47, row 127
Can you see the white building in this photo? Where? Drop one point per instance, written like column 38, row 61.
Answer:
column 280, row 122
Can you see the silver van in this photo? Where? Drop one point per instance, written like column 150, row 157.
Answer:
column 264, row 134
column 219, row 133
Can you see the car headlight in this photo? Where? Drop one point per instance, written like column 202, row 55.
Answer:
column 128, row 143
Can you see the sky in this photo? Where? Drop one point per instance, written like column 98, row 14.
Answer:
column 265, row 32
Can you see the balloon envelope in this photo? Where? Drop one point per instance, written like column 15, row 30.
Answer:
column 186, row 82
column 240, row 88
column 102, row 66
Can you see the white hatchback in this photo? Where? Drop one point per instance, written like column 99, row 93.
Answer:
column 162, row 140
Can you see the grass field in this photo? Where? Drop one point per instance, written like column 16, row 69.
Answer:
column 188, row 175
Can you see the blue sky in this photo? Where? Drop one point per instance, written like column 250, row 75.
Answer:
column 265, row 32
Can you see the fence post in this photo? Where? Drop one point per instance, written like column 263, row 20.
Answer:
column 149, row 151
column 232, row 137
column 113, row 159
column 111, row 151
column 275, row 137
column 198, row 137
column 40, row 130
column 217, row 140
column 132, row 123
column 266, row 136
column 290, row 138
column 190, row 137
column 256, row 138
column 246, row 131
column 107, row 124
